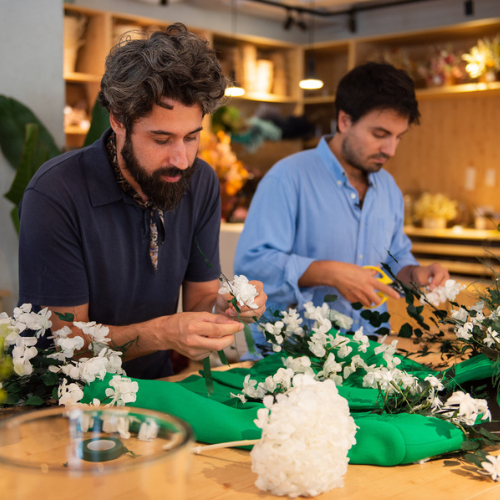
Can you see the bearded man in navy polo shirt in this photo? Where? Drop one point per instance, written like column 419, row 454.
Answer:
column 111, row 232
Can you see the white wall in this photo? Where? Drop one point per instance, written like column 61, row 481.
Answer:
column 31, row 50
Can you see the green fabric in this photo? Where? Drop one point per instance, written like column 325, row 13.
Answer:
column 380, row 439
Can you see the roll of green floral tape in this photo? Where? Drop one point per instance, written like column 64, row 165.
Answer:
column 101, row 449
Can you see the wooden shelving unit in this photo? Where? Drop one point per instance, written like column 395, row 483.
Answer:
column 459, row 250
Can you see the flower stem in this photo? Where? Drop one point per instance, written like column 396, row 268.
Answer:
column 230, row 444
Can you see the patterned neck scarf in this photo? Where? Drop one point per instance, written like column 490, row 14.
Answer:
column 156, row 220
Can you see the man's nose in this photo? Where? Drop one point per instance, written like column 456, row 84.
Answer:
column 178, row 156
column 389, row 146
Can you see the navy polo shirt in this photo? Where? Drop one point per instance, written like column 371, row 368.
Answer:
column 83, row 240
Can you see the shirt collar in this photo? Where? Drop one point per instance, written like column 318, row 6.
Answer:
column 101, row 180
column 330, row 160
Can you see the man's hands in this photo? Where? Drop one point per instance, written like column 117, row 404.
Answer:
column 223, row 305
column 353, row 282
column 433, row 275
column 196, row 335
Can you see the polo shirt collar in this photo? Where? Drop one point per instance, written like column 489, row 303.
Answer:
column 337, row 170
column 101, row 180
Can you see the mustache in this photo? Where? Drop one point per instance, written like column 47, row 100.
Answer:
column 170, row 171
column 380, row 156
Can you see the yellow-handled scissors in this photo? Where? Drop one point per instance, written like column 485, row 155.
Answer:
column 383, row 278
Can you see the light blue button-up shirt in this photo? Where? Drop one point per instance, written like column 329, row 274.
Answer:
column 305, row 209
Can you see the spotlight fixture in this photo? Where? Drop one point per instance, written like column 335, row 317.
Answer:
column 300, row 22
column 311, row 81
column 234, row 89
column 289, row 21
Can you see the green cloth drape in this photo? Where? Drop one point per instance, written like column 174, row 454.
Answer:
column 380, row 439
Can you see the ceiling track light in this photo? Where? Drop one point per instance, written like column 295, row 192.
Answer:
column 289, row 20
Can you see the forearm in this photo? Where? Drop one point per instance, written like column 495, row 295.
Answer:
column 319, row 273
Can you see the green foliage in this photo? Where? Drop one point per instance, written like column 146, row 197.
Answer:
column 65, row 316
column 33, row 156
column 14, row 117
column 99, row 123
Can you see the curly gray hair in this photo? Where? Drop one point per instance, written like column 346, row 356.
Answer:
column 173, row 63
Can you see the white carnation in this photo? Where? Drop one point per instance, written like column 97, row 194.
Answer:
column 243, row 291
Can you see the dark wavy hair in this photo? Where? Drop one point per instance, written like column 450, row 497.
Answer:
column 376, row 86
column 173, row 63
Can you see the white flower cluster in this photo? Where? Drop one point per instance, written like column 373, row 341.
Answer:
column 306, row 435
column 465, row 323
column 461, row 407
column 243, row 291
column 286, row 327
column 24, row 348
column 441, row 294
column 86, row 369
column 492, row 467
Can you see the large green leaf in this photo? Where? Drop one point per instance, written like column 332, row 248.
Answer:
column 33, row 156
column 98, row 124
column 14, row 117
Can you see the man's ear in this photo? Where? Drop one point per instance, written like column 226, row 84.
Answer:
column 344, row 121
column 116, row 124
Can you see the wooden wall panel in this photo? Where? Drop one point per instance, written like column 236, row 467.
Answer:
column 456, row 132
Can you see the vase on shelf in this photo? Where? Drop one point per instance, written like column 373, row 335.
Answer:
column 434, row 222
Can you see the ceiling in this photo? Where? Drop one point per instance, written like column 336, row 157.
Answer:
column 277, row 9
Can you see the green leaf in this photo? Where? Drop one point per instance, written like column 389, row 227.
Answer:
column 222, row 357
column 418, row 332
column 382, row 331
column 34, row 401
column 49, row 378
column 406, row 331
column 385, row 317
column 470, row 445
column 12, row 399
column 98, row 125
column 356, row 306
column 486, row 433
column 14, row 117
column 249, row 339
column 473, row 459
column 330, row 298
column 207, row 374
column 33, row 156
column 55, row 393
column 68, row 317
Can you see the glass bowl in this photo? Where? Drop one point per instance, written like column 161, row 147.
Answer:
column 81, row 452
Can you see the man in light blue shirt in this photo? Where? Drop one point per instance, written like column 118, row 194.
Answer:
column 320, row 215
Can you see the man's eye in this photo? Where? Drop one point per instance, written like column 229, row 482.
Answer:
column 379, row 135
column 190, row 138
column 161, row 141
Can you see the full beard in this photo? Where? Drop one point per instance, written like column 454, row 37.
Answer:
column 162, row 194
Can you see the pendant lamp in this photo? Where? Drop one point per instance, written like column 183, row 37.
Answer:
column 234, row 89
column 311, row 81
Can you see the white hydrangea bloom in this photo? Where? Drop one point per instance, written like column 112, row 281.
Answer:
column 69, row 393
column 243, row 291
column 441, row 294
column 68, row 345
column 306, row 435
column 292, row 320
column 122, row 390
column 462, row 407
column 491, row 337
column 341, row 320
column 363, row 340
column 460, row 314
column 464, row 331
column 331, row 370
column 148, row 431
column 113, row 423
column 492, row 467
column 299, row 365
